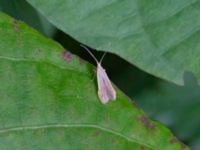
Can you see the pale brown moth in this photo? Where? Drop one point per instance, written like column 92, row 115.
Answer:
column 106, row 91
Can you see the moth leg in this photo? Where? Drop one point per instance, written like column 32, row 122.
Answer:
column 93, row 75
column 95, row 70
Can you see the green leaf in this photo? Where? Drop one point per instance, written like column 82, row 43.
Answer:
column 49, row 101
column 159, row 36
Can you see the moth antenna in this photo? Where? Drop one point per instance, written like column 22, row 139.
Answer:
column 102, row 57
column 89, row 53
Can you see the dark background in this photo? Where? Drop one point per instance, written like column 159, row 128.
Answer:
column 177, row 107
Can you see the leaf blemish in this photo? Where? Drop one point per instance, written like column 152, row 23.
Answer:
column 142, row 147
column 15, row 25
column 67, row 55
column 174, row 140
column 97, row 133
column 146, row 122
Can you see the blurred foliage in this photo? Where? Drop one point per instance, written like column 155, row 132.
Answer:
column 178, row 107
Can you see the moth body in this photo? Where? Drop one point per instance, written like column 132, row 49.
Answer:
column 106, row 91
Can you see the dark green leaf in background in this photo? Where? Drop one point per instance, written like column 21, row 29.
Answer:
column 48, row 100
column 159, row 36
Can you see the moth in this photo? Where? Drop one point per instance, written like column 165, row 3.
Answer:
column 106, row 91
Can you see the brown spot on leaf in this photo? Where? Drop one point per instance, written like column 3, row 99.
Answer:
column 67, row 55
column 97, row 133
column 15, row 25
column 146, row 122
column 174, row 140
column 142, row 147
column 183, row 146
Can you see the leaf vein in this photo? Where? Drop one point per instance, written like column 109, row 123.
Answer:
column 37, row 127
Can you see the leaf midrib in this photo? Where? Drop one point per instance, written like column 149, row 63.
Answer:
column 48, row 126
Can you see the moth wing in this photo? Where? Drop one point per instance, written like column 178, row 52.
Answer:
column 105, row 88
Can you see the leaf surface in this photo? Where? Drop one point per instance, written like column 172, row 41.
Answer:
column 48, row 101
